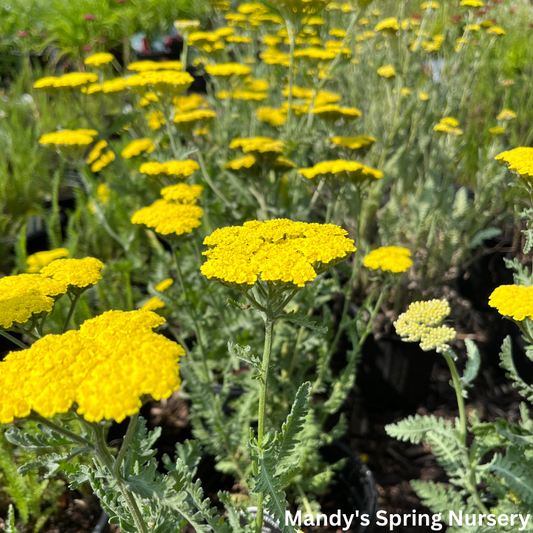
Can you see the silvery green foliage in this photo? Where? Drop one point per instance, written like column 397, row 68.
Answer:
column 498, row 460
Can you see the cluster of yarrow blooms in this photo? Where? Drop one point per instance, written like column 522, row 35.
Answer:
column 26, row 295
column 514, row 301
column 175, row 214
column 275, row 251
column 82, row 368
column 389, row 258
column 421, row 323
column 520, row 161
column 177, row 169
column 78, row 137
column 38, row 260
column 342, row 169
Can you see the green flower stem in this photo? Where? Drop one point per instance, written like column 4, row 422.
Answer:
column 209, row 181
column 265, row 365
column 125, row 444
column 292, row 44
column 14, row 340
column 193, row 314
column 173, row 145
column 73, row 302
column 107, row 460
column 185, row 52
column 459, row 395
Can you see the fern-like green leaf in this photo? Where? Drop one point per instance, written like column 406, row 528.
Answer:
column 517, row 471
column 507, row 363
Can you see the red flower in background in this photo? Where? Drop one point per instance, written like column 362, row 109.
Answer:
column 22, row 33
column 89, row 16
column 86, row 48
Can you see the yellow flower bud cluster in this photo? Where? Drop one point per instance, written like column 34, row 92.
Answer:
column 277, row 251
column 421, row 323
column 104, row 369
column 515, row 301
column 391, row 258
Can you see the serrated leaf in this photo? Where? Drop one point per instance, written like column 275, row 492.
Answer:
column 302, row 319
column 47, row 438
column 517, row 472
column 52, row 462
column 244, row 353
column 10, row 526
column 483, row 235
column 507, row 363
column 292, row 428
column 190, row 453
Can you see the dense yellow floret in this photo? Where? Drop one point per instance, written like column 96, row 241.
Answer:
column 515, row 301
column 334, row 112
column 80, row 273
column 99, row 59
column 354, row 143
column 342, row 169
column 274, row 116
column 104, row 369
column 161, row 81
column 137, row 147
column 183, row 193
column 519, row 160
column 277, row 251
column 389, row 258
column 421, row 323
column 145, row 66
column 228, row 69
column 168, row 217
column 259, row 146
column 152, row 304
column 387, row 71
column 40, row 259
column 69, row 137
column 164, row 285
column 179, row 169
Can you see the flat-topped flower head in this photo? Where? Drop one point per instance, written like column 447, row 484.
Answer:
column 421, row 323
column 389, row 258
column 333, row 112
column 246, row 162
column 354, row 143
column 520, row 161
column 82, row 368
column 273, row 56
column 313, row 53
column 115, row 85
column 96, row 152
column 387, row 71
column 274, row 116
column 278, row 251
column 153, row 304
column 75, row 273
column 259, row 147
column 145, row 66
column 191, row 119
column 448, row 125
column 190, row 102
column 26, row 295
column 514, row 301
column 228, row 69
column 169, row 217
column 247, row 96
column 40, row 259
column 342, row 169
column 182, row 193
column 177, row 169
column 388, row 25
column 97, row 60
column 471, row 3
column 103, row 161
column 79, row 137
column 138, row 147
column 161, row 82
column 506, row 114
column 295, row 9
column 496, row 30
column 164, row 285
column 72, row 80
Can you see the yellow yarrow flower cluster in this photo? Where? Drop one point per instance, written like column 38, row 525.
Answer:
column 274, row 116
column 520, row 161
column 175, row 214
column 74, row 273
column 73, row 80
column 448, row 125
column 137, row 147
column 354, row 143
column 315, row 53
column 228, row 69
column 421, row 323
column 387, row 71
column 40, row 259
column 279, row 251
column 389, row 258
column 93, row 368
column 190, row 119
column 161, row 81
column 145, row 66
column 471, row 3
column 248, row 96
column 189, row 103
column 342, row 169
column 178, row 169
column 164, row 285
column 496, row 30
column 506, row 114
column 79, row 137
column 334, row 112
column 388, row 25
column 259, row 146
column 96, row 152
column 297, row 8
column 153, row 304
column 515, row 301
column 99, row 160
column 97, row 60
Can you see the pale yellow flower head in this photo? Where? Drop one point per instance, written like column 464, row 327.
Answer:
column 421, row 323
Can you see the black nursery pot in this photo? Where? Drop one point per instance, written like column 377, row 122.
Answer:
column 353, row 490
